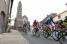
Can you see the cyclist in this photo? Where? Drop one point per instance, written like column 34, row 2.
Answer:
column 38, row 25
column 61, row 22
column 50, row 23
column 57, row 25
column 28, row 26
column 35, row 26
column 25, row 28
column 62, row 26
column 65, row 22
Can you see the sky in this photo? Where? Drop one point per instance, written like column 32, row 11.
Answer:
column 38, row 9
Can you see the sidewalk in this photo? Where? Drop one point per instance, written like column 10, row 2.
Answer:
column 12, row 38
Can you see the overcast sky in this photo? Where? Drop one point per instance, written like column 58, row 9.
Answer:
column 38, row 9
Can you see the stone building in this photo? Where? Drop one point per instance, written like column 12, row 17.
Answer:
column 5, row 13
column 18, row 19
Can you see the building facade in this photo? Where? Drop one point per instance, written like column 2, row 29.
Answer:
column 18, row 19
column 60, row 16
column 5, row 10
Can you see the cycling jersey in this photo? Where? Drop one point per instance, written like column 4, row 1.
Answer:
column 34, row 24
column 65, row 24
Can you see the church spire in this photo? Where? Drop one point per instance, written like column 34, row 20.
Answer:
column 19, row 9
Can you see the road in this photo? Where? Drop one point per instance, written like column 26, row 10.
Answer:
column 16, row 37
column 40, row 40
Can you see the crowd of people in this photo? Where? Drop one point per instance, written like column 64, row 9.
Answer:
column 60, row 25
column 49, row 23
column 48, row 27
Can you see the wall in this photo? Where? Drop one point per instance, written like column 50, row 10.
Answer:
column 4, row 4
column 63, row 14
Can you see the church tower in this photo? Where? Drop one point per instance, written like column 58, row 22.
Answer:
column 19, row 10
column 18, row 19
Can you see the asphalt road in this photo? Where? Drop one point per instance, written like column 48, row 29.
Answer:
column 39, row 40
column 16, row 37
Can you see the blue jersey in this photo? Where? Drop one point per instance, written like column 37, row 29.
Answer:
column 49, row 22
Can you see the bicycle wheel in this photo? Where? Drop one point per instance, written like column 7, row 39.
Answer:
column 38, row 34
column 33, row 32
column 25, row 30
column 45, row 34
column 62, row 36
column 56, row 35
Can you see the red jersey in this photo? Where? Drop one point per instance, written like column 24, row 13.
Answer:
column 34, row 24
